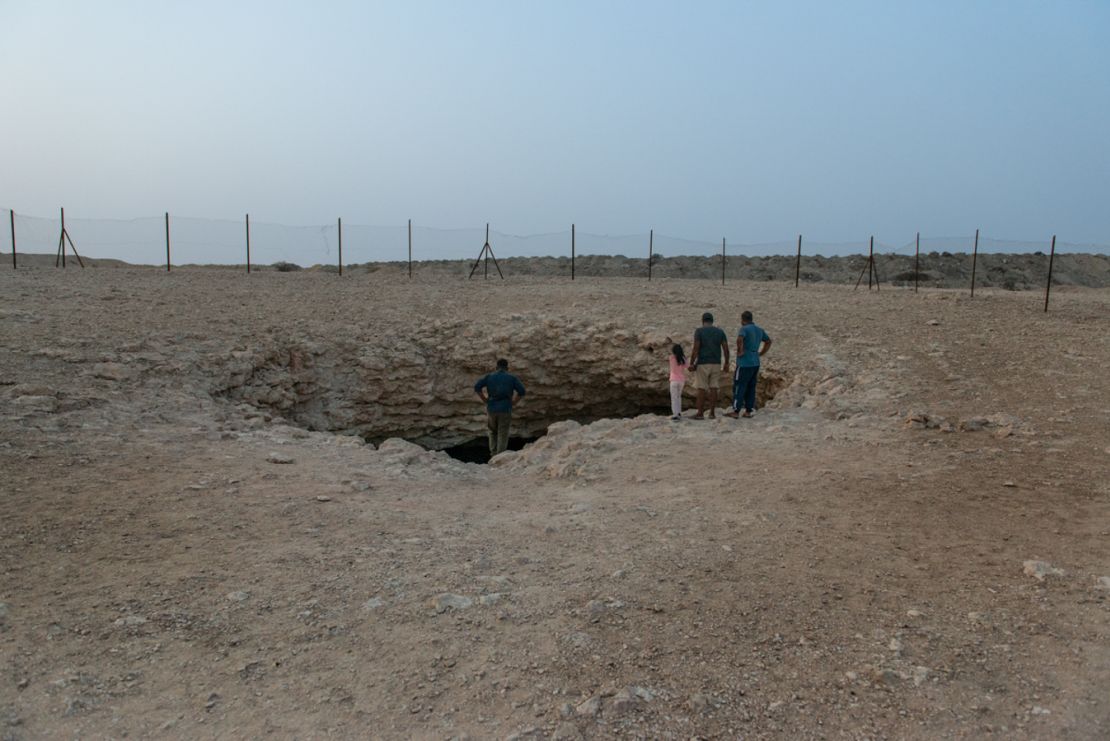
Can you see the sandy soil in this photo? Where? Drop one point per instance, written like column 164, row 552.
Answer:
column 851, row 563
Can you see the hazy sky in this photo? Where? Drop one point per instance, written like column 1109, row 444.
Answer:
column 752, row 120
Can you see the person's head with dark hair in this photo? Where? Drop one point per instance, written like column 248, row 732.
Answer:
column 502, row 364
column 679, row 355
column 707, row 318
column 746, row 318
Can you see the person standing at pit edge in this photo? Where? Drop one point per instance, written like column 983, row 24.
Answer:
column 499, row 391
column 677, row 360
column 751, row 344
column 709, row 344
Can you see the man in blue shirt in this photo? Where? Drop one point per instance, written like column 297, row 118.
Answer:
column 751, row 343
column 499, row 391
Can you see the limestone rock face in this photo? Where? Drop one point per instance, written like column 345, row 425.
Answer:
column 418, row 384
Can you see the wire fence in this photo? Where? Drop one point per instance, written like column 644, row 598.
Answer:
column 180, row 240
column 200, row 241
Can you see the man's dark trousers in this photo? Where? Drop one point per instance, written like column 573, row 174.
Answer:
column 499, row 432
column 743, row 388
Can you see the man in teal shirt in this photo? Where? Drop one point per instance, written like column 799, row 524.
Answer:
column 751, row 343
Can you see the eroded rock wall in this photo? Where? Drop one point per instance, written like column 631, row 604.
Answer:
column 418, row 385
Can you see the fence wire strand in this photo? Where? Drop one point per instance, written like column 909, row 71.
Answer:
column 201, row 241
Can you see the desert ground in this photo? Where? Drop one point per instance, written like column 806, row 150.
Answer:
column 223, row 513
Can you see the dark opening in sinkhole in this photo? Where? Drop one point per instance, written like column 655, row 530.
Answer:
column 476, row 450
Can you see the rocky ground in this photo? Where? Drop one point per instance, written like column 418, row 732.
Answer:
column 1019, row 272
column 909, row 541
column 1011, row 272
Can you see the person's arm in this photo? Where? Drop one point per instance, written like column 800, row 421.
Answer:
column 518, row 389
column 693, row 364
column 480, row 389
column 739, row 346
column 724, row 351
column 766, row 344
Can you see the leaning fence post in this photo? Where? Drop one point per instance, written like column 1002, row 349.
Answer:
column 974, row 259
column 14, row 265
column 1048, row 286
column 798, row 262
column 868, row 267
column 248, row 244
column 66, row 238
column 572, row 251
column 651, row 251
column 167, row 241
column 339, row 226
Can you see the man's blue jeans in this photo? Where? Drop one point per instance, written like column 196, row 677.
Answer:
column 743, row 388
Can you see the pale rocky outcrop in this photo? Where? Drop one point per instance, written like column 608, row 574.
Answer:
column 419, row 385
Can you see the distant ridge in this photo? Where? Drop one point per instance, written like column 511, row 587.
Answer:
column 1007, row 271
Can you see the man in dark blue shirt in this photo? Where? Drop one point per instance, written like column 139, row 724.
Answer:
column 499, row 391
column 710, row 343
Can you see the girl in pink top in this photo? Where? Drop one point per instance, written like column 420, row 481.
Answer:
column 678, row 380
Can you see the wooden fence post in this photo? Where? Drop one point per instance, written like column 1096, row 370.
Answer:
column 167, row 241
column 916, row 261
column 651, row 252
column 572, row 251
column 14, row 265
column 62, row 242
column 870, row 261
column 339, row 226
column 1048, row 286
column 798, row 262
column 722, row 261
column 248, row 244
column 410, row 249
column 974, row 259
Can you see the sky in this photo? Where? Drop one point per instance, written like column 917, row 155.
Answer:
column 752, row 120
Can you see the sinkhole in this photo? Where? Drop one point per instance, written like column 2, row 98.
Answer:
column 427, row 397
